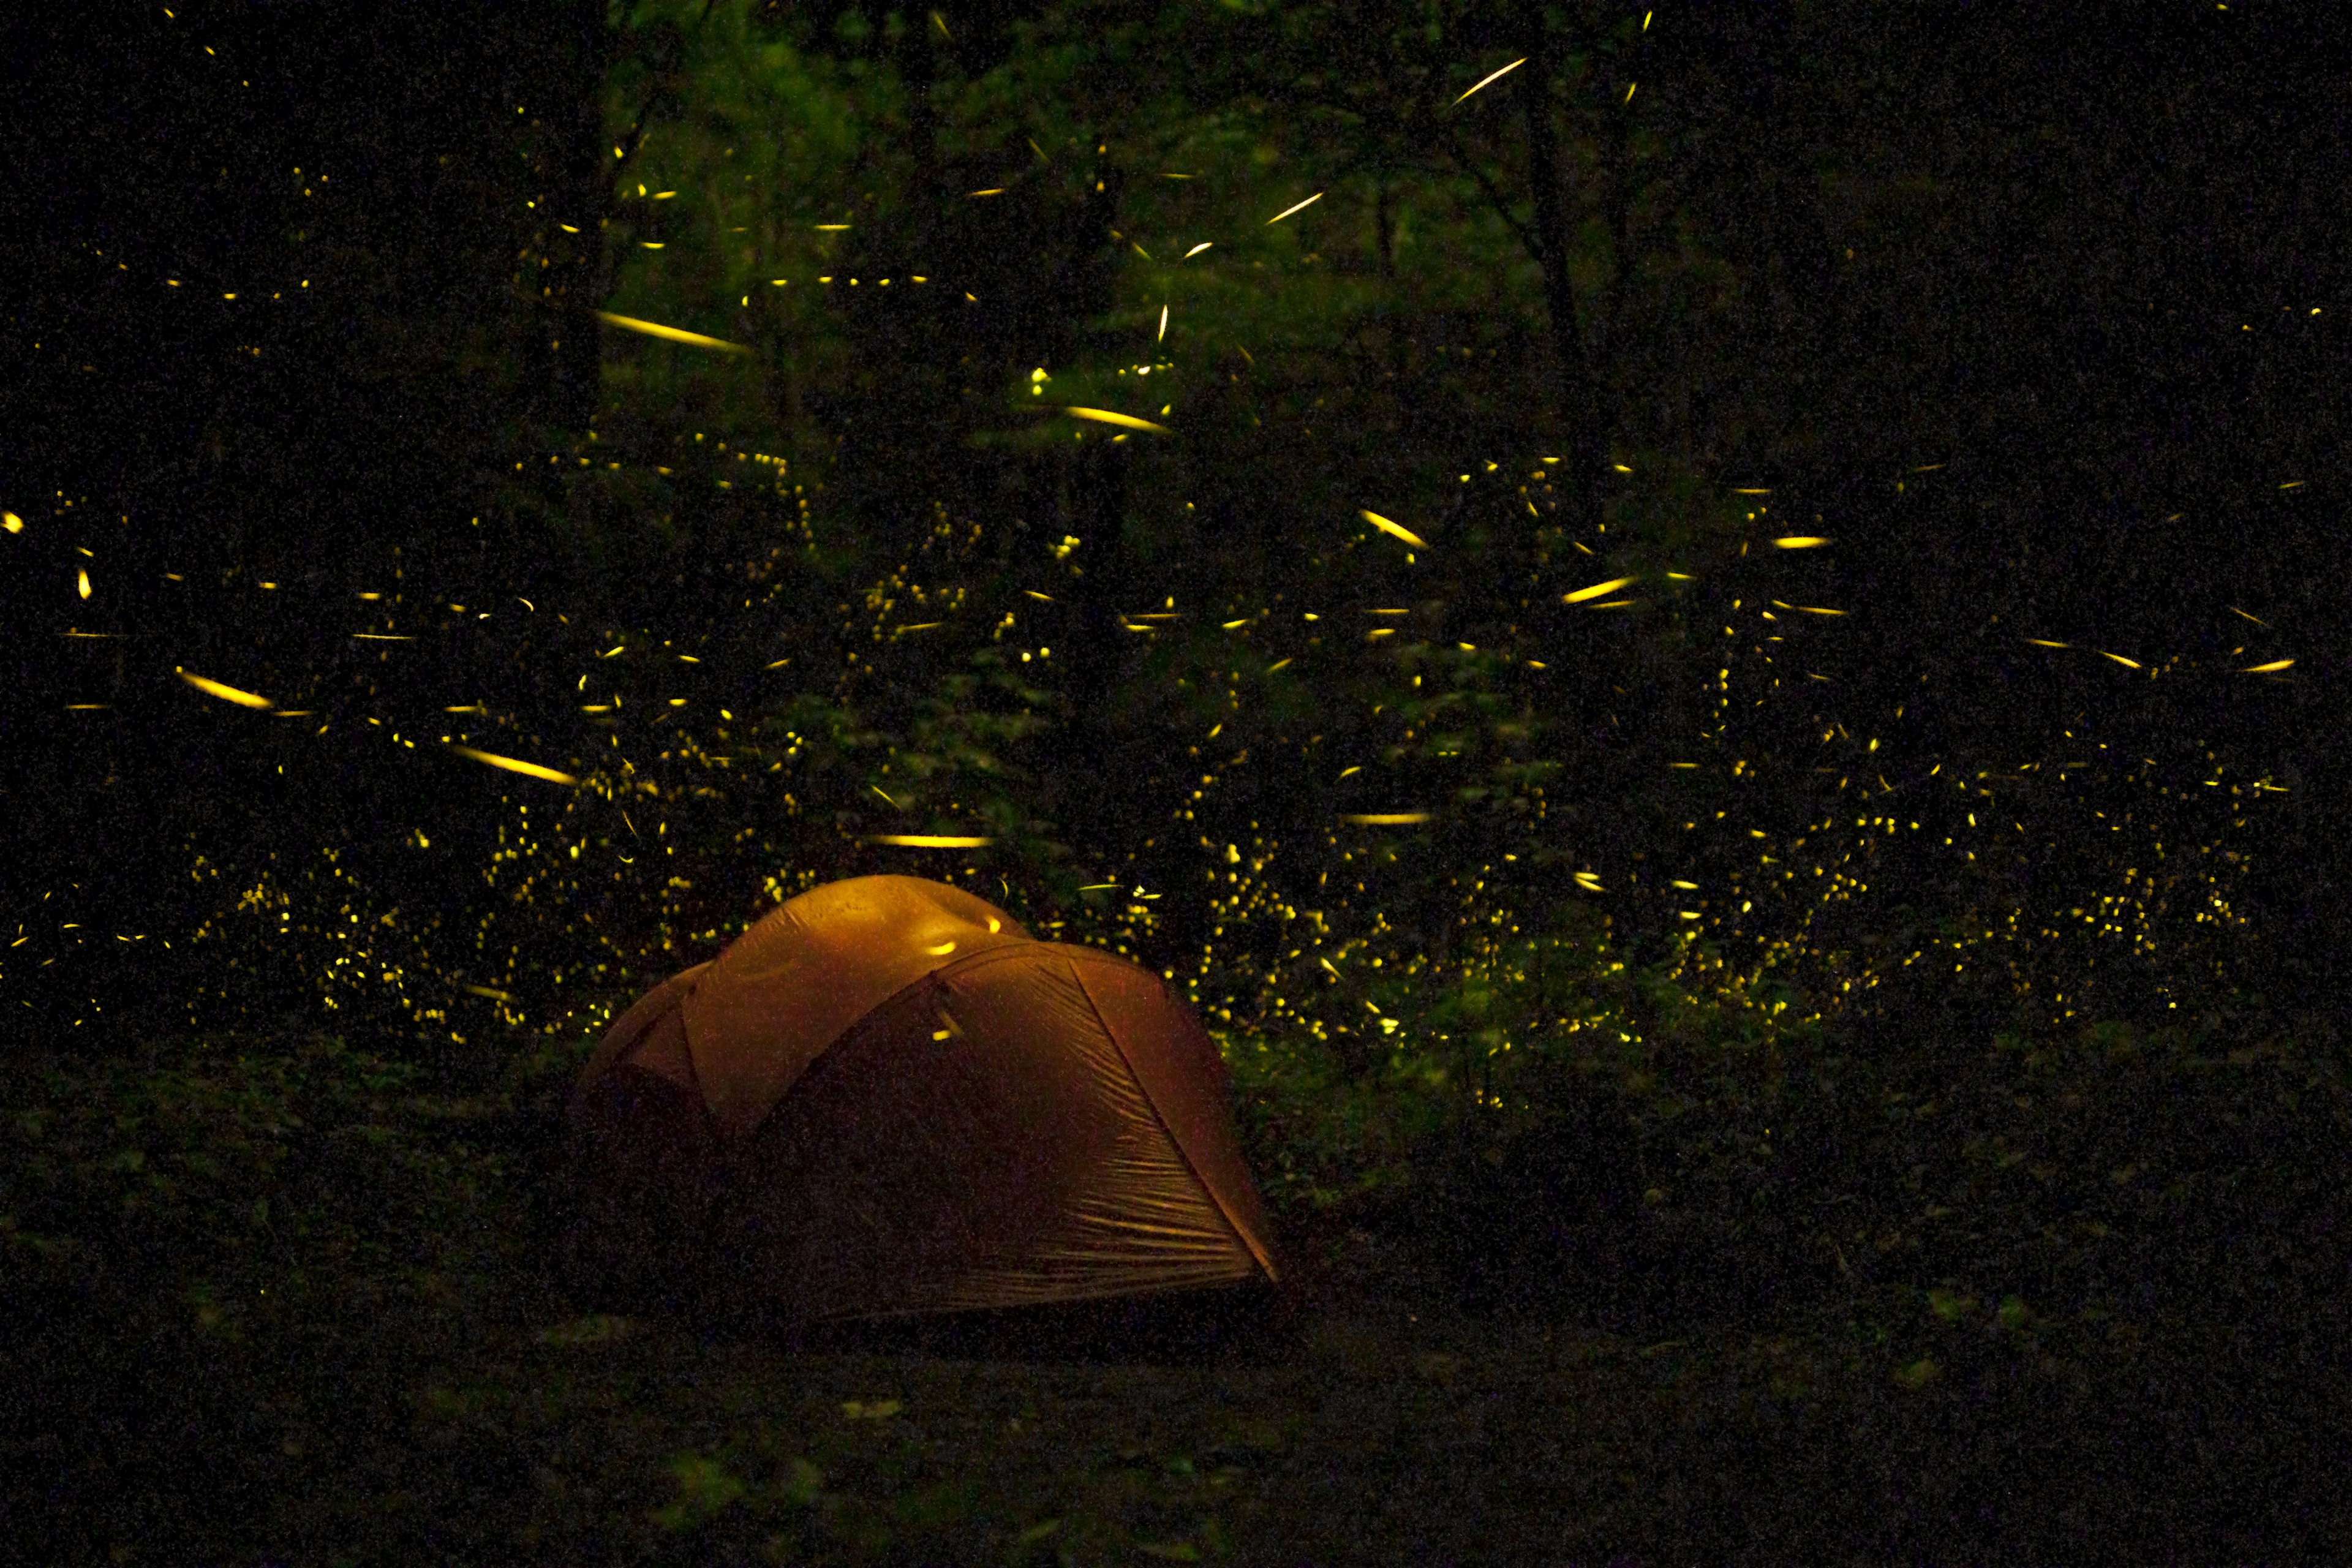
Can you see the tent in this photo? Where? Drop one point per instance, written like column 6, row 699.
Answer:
column 887, row 1100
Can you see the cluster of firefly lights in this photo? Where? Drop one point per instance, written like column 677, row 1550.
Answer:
column 1497, row 948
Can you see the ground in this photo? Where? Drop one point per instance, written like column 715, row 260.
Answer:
column 371, row 1365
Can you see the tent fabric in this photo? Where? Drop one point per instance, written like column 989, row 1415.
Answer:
column 888, row 1099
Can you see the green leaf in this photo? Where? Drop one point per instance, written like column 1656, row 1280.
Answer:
column 1950, row 1305
column 705, row 1486
column 1918, row 1373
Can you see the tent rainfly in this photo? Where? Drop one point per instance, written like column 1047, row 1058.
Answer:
column 887, row 1100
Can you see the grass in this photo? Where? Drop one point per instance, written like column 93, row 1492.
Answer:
column 285, row 1301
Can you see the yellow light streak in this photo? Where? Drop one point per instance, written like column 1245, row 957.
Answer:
column 1106, row 416
column 927, row 840
column 1287, row 211
column 1802, row 541
column 514, row 765
column 2275, row 664
column 1385, row 818
column 1598, row 590
column 225, row 693
column 1385, row 526
column 671, row 334
column 1495, row 76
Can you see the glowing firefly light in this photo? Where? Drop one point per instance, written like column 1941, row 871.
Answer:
column 1385, row 526
column 671, row 334
column 225, row 693
column 1495, row 76
column 1287, row 211
column 1105, row 416
column 1598, row 590
column 514, row 765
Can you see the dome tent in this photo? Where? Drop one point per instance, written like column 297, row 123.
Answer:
column 886, row 1100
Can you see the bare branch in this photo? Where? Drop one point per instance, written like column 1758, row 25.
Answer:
column 1495, row 195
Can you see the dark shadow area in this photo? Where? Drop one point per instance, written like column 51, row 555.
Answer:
column 1240, row 1326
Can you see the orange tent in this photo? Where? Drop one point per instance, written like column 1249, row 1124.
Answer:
column 887, row 1100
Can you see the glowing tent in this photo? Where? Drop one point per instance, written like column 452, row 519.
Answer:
column 887, row 1100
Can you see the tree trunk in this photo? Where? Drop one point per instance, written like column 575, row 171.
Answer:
column 1571, row 363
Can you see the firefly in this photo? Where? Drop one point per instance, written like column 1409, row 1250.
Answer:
column 1495, row 76
column 1385, row 526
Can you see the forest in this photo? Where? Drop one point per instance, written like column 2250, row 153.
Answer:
column 1697, row 634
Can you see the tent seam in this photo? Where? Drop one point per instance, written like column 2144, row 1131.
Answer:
column 1174, row 1142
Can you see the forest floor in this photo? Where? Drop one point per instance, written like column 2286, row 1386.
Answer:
column 272, row 1316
